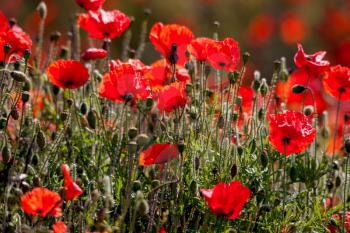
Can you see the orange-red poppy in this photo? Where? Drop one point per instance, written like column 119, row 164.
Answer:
column 90, row 5
column 260, row 30
column 124, row 83
column 164, row 36
column 71, row 189
column 198, row 48
column 336, row 82
column 18, row 41
column 172, row 96
column 104, row 24
column 227, row 199
column 69, row 74
column 41, row 202
column 224, row 55
column 158, row 154
column 292, row 28
column 93, row 54
column 59, row 227
column 291, row 132
column 314, row 63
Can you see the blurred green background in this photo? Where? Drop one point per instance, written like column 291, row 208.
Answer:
column 268, row 29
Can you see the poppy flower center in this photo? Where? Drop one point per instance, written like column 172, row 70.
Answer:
column 128, row 97
column 222, row 64
column 68, row 83
column 341, row 89
column 39, row 211
column 286, row 140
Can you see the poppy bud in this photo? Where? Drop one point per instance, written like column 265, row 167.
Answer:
column 132, row 132
column 55, row 36
column 55, row 89
column 235, row 116
column 91, row 117
column 196, row 163
column 27, row 85
column 14, row 113
column 298, row 89
column 293, row 174
column 147, row 11
column 149, row 103
column 284, row 70
column 173, row 57
column 64, row 52
column 18, row 76
column 261, row 114
column 233, row 77
column 41, row 139
column 7, row 48
column 256, row 82
column 325, row 133
column 264, row 160
column 42, row 9
column 181, row 146
column 233, row 170
column 16, row 65
column 263, row 88
column 347, row 145
column 136, row 185
column 239, row 150
column 142, row 140
column 3, row 121
column 329, row 184
column 193, row 187
column 83, row 108
column 277, row 66
column 188, row 88
column 142, row 207
column 6, row 154
column 12, row 22
column 246, row 57
column 26, row 54
column 132, row 147
column 309, row 110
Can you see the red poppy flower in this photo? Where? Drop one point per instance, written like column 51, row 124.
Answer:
column 158, row 154
column 4, row 24
column 93, row 54
column 291, row 132
column 338, row 218
column 41, row 202
column 224, row 54
column 137, row 65
column 90, row 5
column 104, row 24
column 164, row 36
column 162, row 230
column 300, row 76
column 124, row 83
column 59, row 227
column 69, row 74
column 18, row 41
column 71, row 189
column 336, row 82
column 314, row 63
column 292, row 28
column 227, row 199
column 172, row 96
column 160, row 74
column 198, row 48
column 260, row 30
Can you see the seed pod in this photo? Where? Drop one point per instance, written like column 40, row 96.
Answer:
column 239, row 150
column 246, row 57
column 181, row 146
column 26, row 54
column 6, row 48
column 27, row 85
column 193, row 187
column 132, row 132
column 91, row 117
column 325, row 133
column 264, row 160
column 55, row 36
column 335, row 165
column 293, row 174
column 309, row 110
column 83, row 108
column 36, row 181
column 14, row 113
column 25, row 96
column 142, row 207
column 41, row 139
column 142, row 140
column 55, row 89
column 298, row 89
column 42, row 9
column 18, row 76
column 234, row 170
column 277, row 66
column 136, row 185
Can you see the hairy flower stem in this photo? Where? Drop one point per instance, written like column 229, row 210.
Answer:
column 345, row 193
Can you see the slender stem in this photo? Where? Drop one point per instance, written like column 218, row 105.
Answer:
column 345, row 196
column 336, row 126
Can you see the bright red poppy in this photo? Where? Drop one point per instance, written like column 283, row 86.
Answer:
column 291, row 132
column 172, row 96
column 69, row 74
column 124, row 83
column 104, row 24
column 198, row 48
column 162, row 230
column 260, row 30
column 314, row 63
column 336, row 82
column 224, row 55
column 227, row 199
column 94, row 54
column 71, row 189
column 41, row 202
column 18, row 41
column 292, row 28
column 59, row 227
column 4, row 24
column 160, row 74
column 158, row 154
column 90, row 5
column 137, row 65
column 164, row 36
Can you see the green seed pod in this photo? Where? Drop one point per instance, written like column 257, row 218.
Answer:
column 293, row 174
column 64, row 52
column 83, row 108
column 298, row 89
column 239, row 150
column 277, row 66
column 193, row 187
column 309, row 110
column 136, row 185
column 264, row 87
column 25, row 96
column 142, row 207
column 6, row 154
column 91, row 117
column 261, row 114
column 18, row 76
column 132, row 132
column 41, row 139
column 142, row 140
column 264, row 160
column 6, row 48
column 14, row 113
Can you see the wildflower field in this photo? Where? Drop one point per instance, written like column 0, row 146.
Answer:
column 92, row 140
